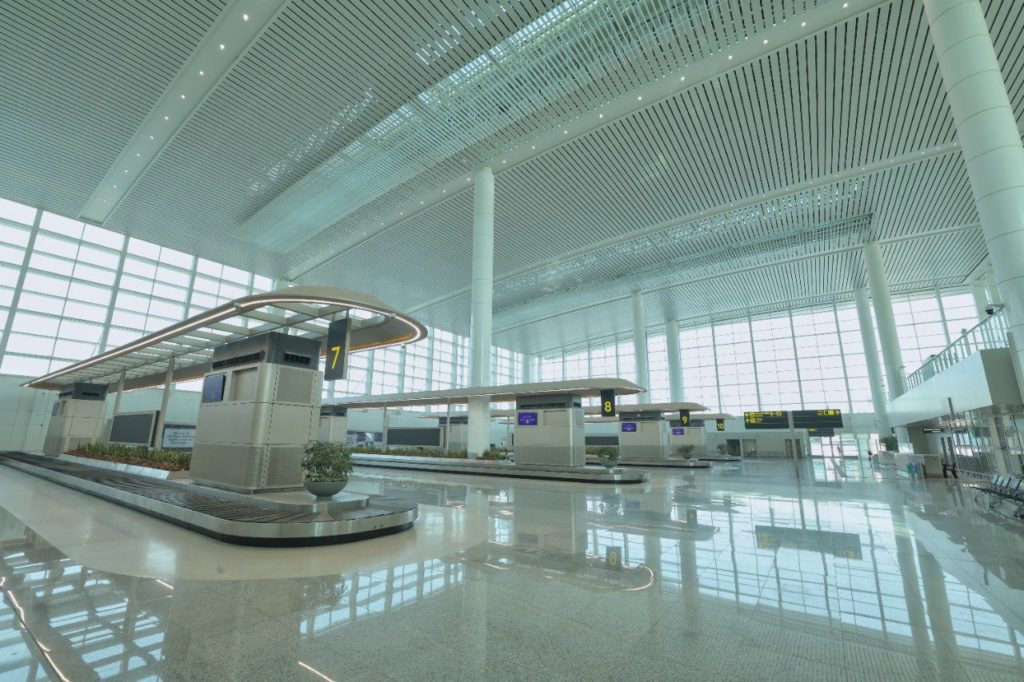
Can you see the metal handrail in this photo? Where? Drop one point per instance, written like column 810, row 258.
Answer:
column 988, row 334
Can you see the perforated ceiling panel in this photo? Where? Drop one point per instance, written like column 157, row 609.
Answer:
column 336, row 150
column 76, row 80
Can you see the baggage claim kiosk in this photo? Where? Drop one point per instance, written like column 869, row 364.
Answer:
column 259, row 409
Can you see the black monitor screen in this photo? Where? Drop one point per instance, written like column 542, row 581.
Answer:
column 213, row 388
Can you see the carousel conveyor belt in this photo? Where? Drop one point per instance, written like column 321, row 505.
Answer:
column 227, row 516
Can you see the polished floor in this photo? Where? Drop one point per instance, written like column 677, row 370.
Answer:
column 752, row 571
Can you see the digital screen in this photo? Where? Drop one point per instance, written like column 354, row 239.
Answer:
column 773, row 419
column 527, row 418
column 684, row 417
column 678, row 432
column 336, row 361
column 824, row 418
column 628, row 427
column 719, row 425
column 608, row 403
column 213, row 388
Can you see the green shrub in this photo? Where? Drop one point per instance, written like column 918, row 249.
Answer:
column 890, row 443
column 686, row 451
column 493, row 452
column 327, row 462
column 608, row 455
column 174, row 460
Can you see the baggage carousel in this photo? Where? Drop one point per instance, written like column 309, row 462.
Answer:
column 479, row 467
column 226, row 516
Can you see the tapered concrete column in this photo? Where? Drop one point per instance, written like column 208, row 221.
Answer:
column 987, row 133
column 117, row 396
column 867, row 335
column 643, row 378
column 527, row 369
column 675, row 369
column 479, row 431
column 980, row 293
column 162, row 417
column 892, row 357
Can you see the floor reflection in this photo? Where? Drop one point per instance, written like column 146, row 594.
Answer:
column 873, row 578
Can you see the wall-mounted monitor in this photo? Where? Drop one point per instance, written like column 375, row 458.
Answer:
column 678, row 432
column 527, row 418
column 133, row 428
column 213, row 388
column 628, row 427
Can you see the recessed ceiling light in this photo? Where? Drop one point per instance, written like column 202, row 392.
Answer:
column 600, row 115
column 730, row 57
column 183, row 96
column 504, row 160
column 682, row 78
column 444, row 191
column 565, row 132
column 468, row 180
column 402, row 213
column 639, row 97
column 115, row 186
column 201, row 72
column 533, row 147
column 764, row 42
column 167, row 118
column 137, row 154
column 245, row 17
column 126, row 171
column 151, row 137
column 221, row 46
column 421, row 203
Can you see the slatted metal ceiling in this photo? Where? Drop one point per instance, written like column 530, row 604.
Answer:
column 77, row 80
column 342, row 116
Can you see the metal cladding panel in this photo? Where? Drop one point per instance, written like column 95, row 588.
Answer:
column 272, row 348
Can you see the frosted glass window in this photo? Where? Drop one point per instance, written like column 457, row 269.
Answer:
column 18, row 213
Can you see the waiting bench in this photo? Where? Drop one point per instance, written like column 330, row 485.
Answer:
column 1005, row 488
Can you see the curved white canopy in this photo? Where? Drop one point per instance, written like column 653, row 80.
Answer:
column 306, row 309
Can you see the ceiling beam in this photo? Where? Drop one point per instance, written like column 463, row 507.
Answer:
column 714, row 66
column 239, row 26
column 527, row 314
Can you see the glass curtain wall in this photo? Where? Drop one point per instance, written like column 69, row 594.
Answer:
column 801, row 359
column 77, row 290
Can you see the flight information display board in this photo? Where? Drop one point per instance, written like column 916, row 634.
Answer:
column 825, row 418
column 684, row 417
column 719, row 425
column 772, row 419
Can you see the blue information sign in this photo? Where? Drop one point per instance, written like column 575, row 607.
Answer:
column 678, row 432
column 628, row 427
column 527, row 418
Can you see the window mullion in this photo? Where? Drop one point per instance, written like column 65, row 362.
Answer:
column 16, row 297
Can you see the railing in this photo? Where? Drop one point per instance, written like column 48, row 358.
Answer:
column 988, row 334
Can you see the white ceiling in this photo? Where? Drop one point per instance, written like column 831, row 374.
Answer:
column 728, row 157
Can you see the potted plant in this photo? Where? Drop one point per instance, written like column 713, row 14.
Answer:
column 890, row 443
column 608, row 456
column 686, row 451
column 722, row 449
column 326, row 467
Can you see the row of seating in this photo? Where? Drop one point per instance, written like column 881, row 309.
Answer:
column 1006, row 488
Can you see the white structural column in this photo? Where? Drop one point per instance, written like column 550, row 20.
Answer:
column 162, row 417
column 643, row 378
column 527, row 369
column 892, row 357
column 867, row 335
column 479, row 431
column 117, row 396
column 987, row 132
column 675, row 369
column 980, row 292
